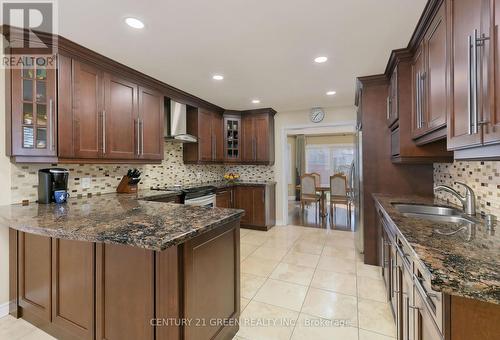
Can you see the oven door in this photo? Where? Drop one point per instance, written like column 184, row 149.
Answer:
column 203, row 201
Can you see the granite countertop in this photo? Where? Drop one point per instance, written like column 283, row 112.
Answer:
column 466, row 264
column 176, row 190
column 118, row 218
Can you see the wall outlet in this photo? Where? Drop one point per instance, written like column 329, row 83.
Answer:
column 86, row 182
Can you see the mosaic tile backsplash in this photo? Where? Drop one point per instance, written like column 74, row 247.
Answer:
column 105, row 177
column 482, row 177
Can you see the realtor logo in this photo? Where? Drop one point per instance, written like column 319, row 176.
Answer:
column 29, row 29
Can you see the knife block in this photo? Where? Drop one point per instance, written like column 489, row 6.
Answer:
column 125, row 188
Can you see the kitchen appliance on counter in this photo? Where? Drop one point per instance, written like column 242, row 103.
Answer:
column 202, row 196
column 52, row 180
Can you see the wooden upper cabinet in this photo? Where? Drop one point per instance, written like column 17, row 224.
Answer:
column 87, row 112
column 257, row 138
column 207, row 126
column 393, row 99
column 120, row 118
column 232, row 138
column 435, row 74
column 465, row 18
column 419, row 113
column 151, row 110
column 491, row 68
column 33, row 116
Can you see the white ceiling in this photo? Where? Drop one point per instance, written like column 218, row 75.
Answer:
column 264, row 48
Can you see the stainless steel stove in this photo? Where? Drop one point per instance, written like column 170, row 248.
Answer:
column 203, row 196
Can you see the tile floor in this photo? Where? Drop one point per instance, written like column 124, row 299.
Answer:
column 296, row 283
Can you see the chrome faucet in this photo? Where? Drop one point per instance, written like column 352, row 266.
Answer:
column 468, row 201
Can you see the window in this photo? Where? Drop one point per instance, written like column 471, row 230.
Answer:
column 329, row 159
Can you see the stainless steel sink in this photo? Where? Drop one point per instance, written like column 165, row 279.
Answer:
column 426, row 210
column 434, row 213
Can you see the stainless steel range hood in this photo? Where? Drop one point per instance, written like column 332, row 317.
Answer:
column 175, row 123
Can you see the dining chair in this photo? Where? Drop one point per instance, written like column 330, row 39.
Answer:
column 308, row 191
column 339, row 195
column 317, row 178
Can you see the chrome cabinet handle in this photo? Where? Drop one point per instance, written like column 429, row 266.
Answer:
column 474, row 84
column 422, row 98
column 469, row 83
column 138, row 136
column 104, row 131
column 142, row 137
column 388, row 109
column 51, row 125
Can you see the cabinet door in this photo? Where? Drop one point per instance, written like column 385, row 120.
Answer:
column 261, row 138
column 205, row 138
column 223, row 199
column 393, row 108
column 218, row 137
column 491, row 68
column 435, row 77
column 424, row 326
column 34, row 122
column 243, row 199
column 247, row 135
column 259, row 206
column 124, row 297
column 232, row 139
column 151, row 124
column 35, row 266
column 87, row 110
column 120, row 137
column 73, row 287
column 419, row 111
column 464, row 18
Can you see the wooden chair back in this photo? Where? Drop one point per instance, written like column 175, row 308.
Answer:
column 317, row 178
column 307, row 185
column 338, row 185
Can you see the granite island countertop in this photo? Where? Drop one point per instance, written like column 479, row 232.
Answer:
column 465, row 264
column 118, row 218
column 220, row 185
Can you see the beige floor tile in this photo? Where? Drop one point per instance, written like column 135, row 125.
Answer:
column 38, row 334
column 261, row 321
column 282, row 294
column 307, row 247
column 367, row 335
column 275, row 253
column 342, row 253
column 301, row 259
column 373, row 289
column 256, row 239
column 292, row 273
column 250, row 284
column 314, row 238
column 243, row 303
column 335, row 282
column 337, row 265
column 330, row 305
column 340, row 243
column 244, row 232
column 376, row 317
column 368, row 270
column 246, row 249
column 12, row 328
column 279, row 243
column 314, row 328
column 258, row 266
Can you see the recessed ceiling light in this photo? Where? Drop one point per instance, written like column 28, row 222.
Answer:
column 330, row 93
column 256, row 101
column 320, row 60
column 135, row 23
column 218, row 77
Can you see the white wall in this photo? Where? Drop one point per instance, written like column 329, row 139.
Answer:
column 337, row 120
column 4, row 198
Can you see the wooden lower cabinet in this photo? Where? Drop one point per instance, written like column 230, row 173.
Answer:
column 259, row 205
column 224, row 198
column 85, row 290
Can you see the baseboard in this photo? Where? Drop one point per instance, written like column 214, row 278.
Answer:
column 4, row 309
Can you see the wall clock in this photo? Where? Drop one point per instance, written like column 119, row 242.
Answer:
column 317, row 114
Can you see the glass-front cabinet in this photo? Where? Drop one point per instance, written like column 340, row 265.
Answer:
column 33, row 117
column 232, row 126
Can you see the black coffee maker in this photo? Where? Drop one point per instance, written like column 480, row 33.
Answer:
column 50, row 180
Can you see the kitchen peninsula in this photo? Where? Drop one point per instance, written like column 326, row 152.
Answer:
column 123, row 266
